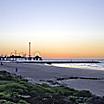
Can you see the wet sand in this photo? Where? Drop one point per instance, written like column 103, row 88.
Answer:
column 37, row 72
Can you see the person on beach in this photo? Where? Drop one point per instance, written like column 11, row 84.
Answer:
column 1, row 63
column 16, row 70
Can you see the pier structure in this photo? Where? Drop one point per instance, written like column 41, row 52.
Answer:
column 14, row 56
column 38, row 59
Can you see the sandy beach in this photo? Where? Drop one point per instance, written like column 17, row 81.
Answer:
column 36, row 73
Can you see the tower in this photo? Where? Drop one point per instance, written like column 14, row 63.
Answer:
column 29, row 49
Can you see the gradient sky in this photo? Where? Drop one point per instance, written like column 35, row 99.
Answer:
column 56, row 28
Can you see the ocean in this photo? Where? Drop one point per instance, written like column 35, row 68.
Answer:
column 94, row 66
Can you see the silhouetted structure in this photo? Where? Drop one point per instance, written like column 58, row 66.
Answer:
column 12, row 56
column 37, row 58
column 29, row 58
column 29, row 49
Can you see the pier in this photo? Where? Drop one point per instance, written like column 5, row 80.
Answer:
column 59, row 61
column 37, row 59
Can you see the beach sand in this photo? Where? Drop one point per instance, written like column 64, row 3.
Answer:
column 39, row 72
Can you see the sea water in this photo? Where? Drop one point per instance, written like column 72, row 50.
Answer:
column 94, row 66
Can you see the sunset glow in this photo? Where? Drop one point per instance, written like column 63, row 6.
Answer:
column 55, row 28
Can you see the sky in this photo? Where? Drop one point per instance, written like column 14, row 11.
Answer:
column 55, row 28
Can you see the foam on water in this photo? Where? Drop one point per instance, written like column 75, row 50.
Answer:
column 94, row 66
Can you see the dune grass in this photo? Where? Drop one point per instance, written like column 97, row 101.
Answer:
column 15, row 90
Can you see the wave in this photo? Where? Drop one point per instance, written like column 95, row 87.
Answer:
column 94, row 66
